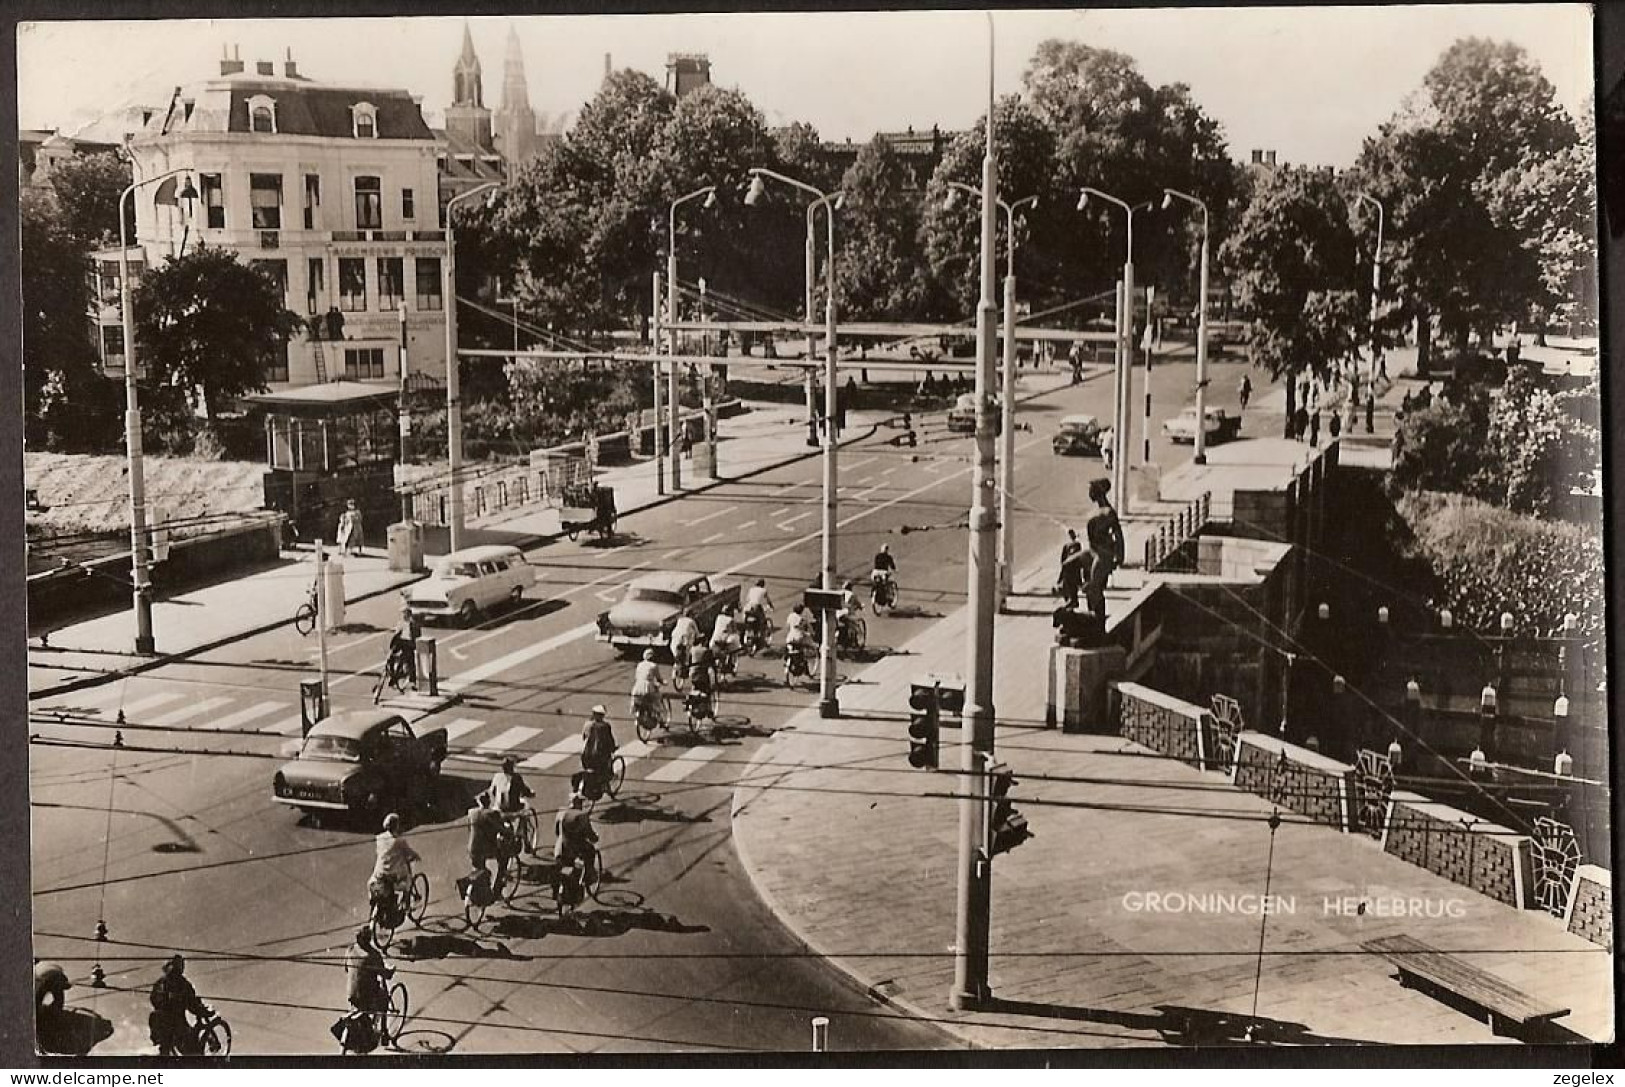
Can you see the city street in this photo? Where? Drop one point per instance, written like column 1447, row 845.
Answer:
column 676, row 953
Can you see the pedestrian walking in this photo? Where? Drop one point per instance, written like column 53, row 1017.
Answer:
column 349, row 532
column 1335, row 424
column 1074, row 358
column 1105, row 535
column 1300, row 423
column 1314, row 428
column 1246, row 392
column 1370, row 411
column 1069, row 580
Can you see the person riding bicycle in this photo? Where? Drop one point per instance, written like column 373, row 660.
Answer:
column 758, row 608
column 393, row 868
column 725, row 634
column 487, row 841
column 646, row 686
column 366, row 974
column 51, row 986
column 685, row 634
column 597, row 746
column 849, row 609
column 700, row 700
column 173, row 998
column 574, row 839
column 798, row 631
column 402, row 659
column 883, row 575
column 508, row 790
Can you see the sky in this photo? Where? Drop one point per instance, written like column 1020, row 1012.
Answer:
column 1310, row 83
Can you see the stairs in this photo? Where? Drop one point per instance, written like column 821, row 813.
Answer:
column 320, row 354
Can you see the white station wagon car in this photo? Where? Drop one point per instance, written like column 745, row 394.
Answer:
column 466, row 583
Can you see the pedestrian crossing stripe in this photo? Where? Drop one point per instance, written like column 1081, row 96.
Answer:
column 567, row 748
column 251, row 713
column 679, row 768
column 509, row 739
column 292, row 726
column 460, row 726
column 151, row 701
column 96, row 698
column 635, row 750
column 175, row 717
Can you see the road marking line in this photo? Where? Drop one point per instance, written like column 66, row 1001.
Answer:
column 635, row 750
column 291, row 727
column 859, row 463
column 608, row 596
column 461, row 726
column 889, row 471
column 864, row 482
column 242, row 717
column 566, row 748
column 511, row 738
column 866, row 493
column 96, row 698
column 668, row 556
column 779, row 512
column 714, row 537
column 785, row 525
column 149, row 702
column 501, row 664
column 679, row 768
column 707, row 517
column 782, row 491
column 175, row 717
column 744, row 525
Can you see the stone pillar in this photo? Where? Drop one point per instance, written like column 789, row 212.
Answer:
column 1079, row 682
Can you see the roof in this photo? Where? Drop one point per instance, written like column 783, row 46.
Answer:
column 670, row 580
column 483, row 553
column 303, row 108
column 353, row 724
column 332, row 394
column 1079, row 420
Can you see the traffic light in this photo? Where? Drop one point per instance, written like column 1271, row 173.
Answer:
column 951, row 696
column 924, row 726
column 1006, row 827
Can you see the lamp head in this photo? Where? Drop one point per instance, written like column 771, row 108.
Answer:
column 188, row 192
column 1083, row 199
column 753, row 193
column 1560, row 708
column 952, row 200
column 839, row 202
column 1167, row 199
column 711, row 197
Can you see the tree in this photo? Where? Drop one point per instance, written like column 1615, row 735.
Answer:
column 1541, row 451
column 878, row 277
column 1293, row 258
column 206, row 321
column 88, row 188
column 68, row 404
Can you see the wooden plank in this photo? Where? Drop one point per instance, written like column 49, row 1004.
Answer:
column 1418, row 960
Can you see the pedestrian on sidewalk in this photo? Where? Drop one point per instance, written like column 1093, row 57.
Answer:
column 1370, row 411
column 1246, row 392
column 1336, row 425
column 1300, row 423
column 1105, row 534
column 349, row 533
column 1069, row 580
column 1075, row 358
column 1314, row 428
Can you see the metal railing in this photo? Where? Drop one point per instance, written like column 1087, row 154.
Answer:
column 1174, row 532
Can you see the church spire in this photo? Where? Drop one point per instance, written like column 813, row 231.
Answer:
column 515, row 91
column 515, row 121
column 465, row 78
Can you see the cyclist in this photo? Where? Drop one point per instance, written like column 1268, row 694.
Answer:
column 701, row 698
column 883, row 576
column 597, row 745
column 508, row 790
column 850, row 607
column 798, row 636
column 685, row 634
column 393, row 868
column 364, row 965
column 173, row 998
column 758, row 609
column 725, row 634
column 646, row 685
column 574, row 838
column 402, row 658
column 487, row 834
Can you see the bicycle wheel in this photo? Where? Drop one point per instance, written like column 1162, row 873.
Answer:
column 304, row 620
column 527, row 831
column 515, row 876
column 597, row 874
column 617, row 775
column 418, row 901
column 646, row 726
column 215, row 1038
column 473, row 911
column 860, row 634
column 382, row 934
column 395, row 1017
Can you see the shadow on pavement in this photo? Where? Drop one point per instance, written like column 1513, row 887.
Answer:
column 444, row 945
column 1182, row 1026
column 424, row 1041
column 72, row 1032
column 624, row 812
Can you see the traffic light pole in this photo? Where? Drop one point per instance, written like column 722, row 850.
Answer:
column 974, row 885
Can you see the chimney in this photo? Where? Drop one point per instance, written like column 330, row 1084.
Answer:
column 264, row 67
column 1269, row 158
column 229, row 66
column 606, row 66
column 1258, row 157
column 289, row 69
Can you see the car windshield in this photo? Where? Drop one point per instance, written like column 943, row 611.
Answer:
column 654, row 596
column 1078, row 427
column 331, row 748
column 456, row 569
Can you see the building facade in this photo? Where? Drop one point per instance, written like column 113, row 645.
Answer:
column 332, row 190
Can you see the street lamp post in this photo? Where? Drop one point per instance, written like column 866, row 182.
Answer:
column 1379, row 365
column 674, row 439
column 1007, row 435
column 1125, row 347
column 828, row 703
column 1168, row 197
column 141, row 592
column 454, row 403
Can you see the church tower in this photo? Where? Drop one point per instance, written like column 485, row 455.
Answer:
column 467, row 119
column 516, row 121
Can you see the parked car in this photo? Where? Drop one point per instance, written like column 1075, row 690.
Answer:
column 362, row 761
column 649, row 609
column 1220, row 426
column 468, row 582
column 962, row 416
column 1078, row 434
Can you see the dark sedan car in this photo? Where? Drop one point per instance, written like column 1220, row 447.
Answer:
column 362, row 761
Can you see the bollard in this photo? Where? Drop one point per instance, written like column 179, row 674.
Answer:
column 312, row 704
column 428, row 671
column 332, row 607
column 820, row 1034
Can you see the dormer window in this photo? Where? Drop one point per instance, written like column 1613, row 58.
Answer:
column 262, row 114
column 364, row 117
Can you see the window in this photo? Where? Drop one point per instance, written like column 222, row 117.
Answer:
column 313, row 199
column 363, row 362
column 316, row 272
column 112, row 340
column 265, row 200
column 364, row 119
column 428, row 272
column 408, row 211
column 391, row 283
column 278, row 369
column 352, row 284
column 262, row 113
column 369, row 204
column 214, row 201
column 277, row 271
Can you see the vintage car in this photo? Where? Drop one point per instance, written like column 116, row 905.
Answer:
column 362, row 761
column 1078, row 434
column 646, row 613
column 962, row 416
column 1221, row 426
column 466, row 583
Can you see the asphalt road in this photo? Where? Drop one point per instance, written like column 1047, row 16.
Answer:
column 184, row 849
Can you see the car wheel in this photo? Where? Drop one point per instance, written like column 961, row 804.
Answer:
column 467, row 613
column 516, row 595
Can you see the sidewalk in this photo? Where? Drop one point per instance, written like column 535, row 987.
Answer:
column 856, row 853
column 99, row 650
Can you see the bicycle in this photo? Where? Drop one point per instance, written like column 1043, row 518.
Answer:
column 594, row 787
column 396, row 674
column 852, row 634
column 653, row 714
column 304, row 617
column 681, row 660
column 883, row 592
column 383, row 1027
column 479, row 895
column 570, row 885
column 700, row 706
column 799, row 663
column 409, row 902
column 522, row 826
column 213, row 1036
column 757, row 634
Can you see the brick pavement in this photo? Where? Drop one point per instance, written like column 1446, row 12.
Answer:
column 856, row 852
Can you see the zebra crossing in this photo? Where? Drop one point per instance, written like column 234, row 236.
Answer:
column 468, row 739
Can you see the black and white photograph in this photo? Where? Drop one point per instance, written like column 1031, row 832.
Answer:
column 863, row 533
